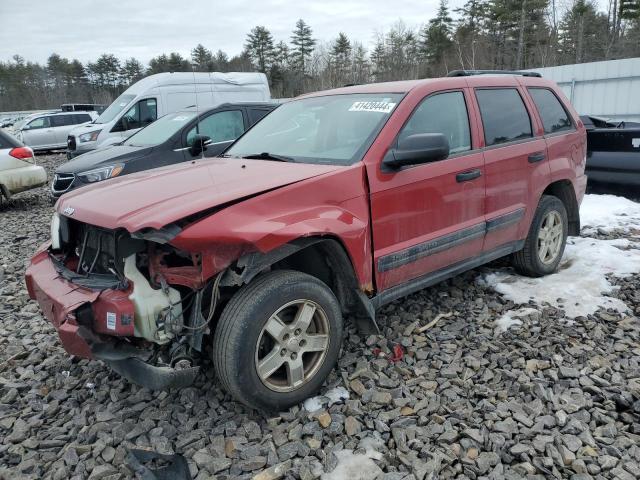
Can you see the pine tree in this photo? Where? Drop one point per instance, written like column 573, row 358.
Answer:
column 303, row 43
column 106, row 71
column 340, row 58
column 360, row 64
column 174, row 62
column 131, row 71
column 202, row 59
column 378, row 60
column 260, row 48
column 220, row 62
column 582, row 31
column 435, row 41
column 469, row 33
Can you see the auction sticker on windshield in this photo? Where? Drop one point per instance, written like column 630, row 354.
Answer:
column 381, row 107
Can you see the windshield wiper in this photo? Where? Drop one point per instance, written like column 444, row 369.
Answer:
column 269, row 156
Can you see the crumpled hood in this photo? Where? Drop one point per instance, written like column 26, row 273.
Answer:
column 155, row 198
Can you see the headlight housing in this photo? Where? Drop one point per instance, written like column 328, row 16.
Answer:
column 102, row 173
column 55, row 231
column 89, row 136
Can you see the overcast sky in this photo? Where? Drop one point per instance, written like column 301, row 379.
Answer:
column 84, row 29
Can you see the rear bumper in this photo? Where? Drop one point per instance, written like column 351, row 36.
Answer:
column 18, row 180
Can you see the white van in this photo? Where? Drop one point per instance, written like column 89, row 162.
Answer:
column 160, row 94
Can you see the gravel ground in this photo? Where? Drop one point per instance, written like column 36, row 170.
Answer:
column 549, row 399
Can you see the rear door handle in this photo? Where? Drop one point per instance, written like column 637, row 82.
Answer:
column 467, row 176
column 536, row 157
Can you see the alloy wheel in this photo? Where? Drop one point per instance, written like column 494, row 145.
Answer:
column 550, row 237
column 292, row 345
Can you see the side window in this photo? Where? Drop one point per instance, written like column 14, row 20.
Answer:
column 141, row 114
column 148, row 111
column 81, row 118
column 219, row 127
column 444, row 113
column 554, row 116
column 61, row 120
column 504, row 116
column 256, row 114
column 40, row 122
column 4, row 143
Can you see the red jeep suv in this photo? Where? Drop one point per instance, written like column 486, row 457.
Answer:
column 333, row 205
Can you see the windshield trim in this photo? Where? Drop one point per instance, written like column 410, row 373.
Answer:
column 358, row 156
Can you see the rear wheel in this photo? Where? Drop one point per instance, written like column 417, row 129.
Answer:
column 545, row 243
column 277, row 340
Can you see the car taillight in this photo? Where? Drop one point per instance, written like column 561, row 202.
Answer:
column 22, row 153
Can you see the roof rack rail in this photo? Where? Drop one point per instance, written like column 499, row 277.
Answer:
column 469, row 73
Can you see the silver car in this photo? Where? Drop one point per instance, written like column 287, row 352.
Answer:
column 49, row 131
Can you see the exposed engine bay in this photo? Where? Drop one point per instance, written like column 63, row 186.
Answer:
column 146, row 329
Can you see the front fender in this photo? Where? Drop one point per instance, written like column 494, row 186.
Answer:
column 335, row 204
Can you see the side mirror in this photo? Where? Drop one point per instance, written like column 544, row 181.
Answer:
column 416, row 149
column 199, row 145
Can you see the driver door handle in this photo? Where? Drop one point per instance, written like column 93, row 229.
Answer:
column 468, row 176
column 536, row 157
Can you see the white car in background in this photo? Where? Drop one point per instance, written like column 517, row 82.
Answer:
column 49, row 131
column 18, row 169
column 157, row 95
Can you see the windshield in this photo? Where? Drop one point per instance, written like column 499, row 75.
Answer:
column 160, row 130
column 115, row 108
column 333, row 129
column 19, row 124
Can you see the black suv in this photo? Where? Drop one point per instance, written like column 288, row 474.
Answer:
column 176, row 137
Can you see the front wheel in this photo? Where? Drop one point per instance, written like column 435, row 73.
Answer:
column 277, row 340
column 547, row 238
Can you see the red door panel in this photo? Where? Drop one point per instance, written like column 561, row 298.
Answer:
column 429, row 216
column 515, row 174
column 516, row 170
column 424, row 219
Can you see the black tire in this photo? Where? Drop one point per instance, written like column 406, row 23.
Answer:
column 527, row 261
column 236, row 348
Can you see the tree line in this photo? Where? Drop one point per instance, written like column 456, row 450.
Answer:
column 483, row 34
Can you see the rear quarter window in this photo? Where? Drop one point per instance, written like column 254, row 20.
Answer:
column 7, row 141
column 554, row 117
column 504, row 116
column 61, row 120
column 81, row 118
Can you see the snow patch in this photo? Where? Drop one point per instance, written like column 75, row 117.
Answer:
column 355, row 466
column 609, row 213
column 580, row 282
column 335, row 395
column 512, row 318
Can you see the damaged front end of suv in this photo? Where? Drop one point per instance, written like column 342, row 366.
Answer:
column 143, row 306
column 142, row 286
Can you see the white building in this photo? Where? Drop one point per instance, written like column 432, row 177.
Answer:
column 609, row 89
